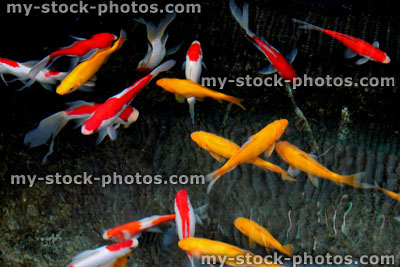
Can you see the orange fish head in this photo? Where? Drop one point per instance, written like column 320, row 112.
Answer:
column 164, row 83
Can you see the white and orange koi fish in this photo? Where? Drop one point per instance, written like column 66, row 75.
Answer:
column 134, row 229
column 193, row 66
column 105, row 117
column 106, row 256
column 185, row 217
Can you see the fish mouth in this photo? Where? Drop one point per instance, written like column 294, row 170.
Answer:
column 387, row 60
column 84, row 131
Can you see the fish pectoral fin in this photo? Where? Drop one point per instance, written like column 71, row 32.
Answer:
column 313, row 180
column 269, row 150
column 376, row 44
column 268, row 250
column 83, row 88
column 184, row 65
column 348, row 53
column 204, row 65
column 292, row 171
column 155, row 230
column 200, row 99
column 112, row 133
column 174, row 49
column 313, row 156
column 217, row 157
column 89, row 83
column 179, row 98
column 102, row 134
column 291, row 56
column 268, row 70
column 362, row 60
column 252, row 244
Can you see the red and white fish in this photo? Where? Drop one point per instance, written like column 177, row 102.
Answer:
column 106, row 256
column 134, row 229
column 105, row 117
column 279, row 63
column 81, row 49
column 185, row 217
column 45, row 77
column 193, row 67
column 156, row 50
column 355, row 46
column 80, row 111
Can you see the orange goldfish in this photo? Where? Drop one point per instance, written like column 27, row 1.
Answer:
column 298, row 159
column 186, row 88
column 391, row 194
column 260, row 235
column 262, row 141
column 221, row 148
column 223, row 252
column 84, row 72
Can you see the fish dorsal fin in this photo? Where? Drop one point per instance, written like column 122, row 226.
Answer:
column 217, row 157
column 77, row 38
column 313, row 156
column 313, row 180
column 376, row 44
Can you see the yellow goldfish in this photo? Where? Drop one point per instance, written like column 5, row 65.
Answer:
column 223, row 252
column 221, row 148
column 186, row 88
column 260, row 235
column 391, row 194
column 298, row 159
column 262, row 141
column 81, row 74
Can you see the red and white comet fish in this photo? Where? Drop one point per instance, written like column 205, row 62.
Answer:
column 105, row 117
column 134, row 229
column 106, row 256
column 185, row 217
column 193, row 66
column 80, row 111
column 355, row 46
column 45, row 77
column 279, row 63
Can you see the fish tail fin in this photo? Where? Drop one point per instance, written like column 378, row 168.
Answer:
column 287, row 249
column 154, row 32
column 306, row 25
column 212, row 178
column 235, row 100
column 355, row 180
column 167, row 65
column 48, row 127
column 38, row 67
column 242, row 17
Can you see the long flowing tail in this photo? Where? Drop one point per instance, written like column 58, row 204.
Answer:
column 242, row 17
column 38, row 67
column 154, row 32
column 306, row 25
column 47, row 128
